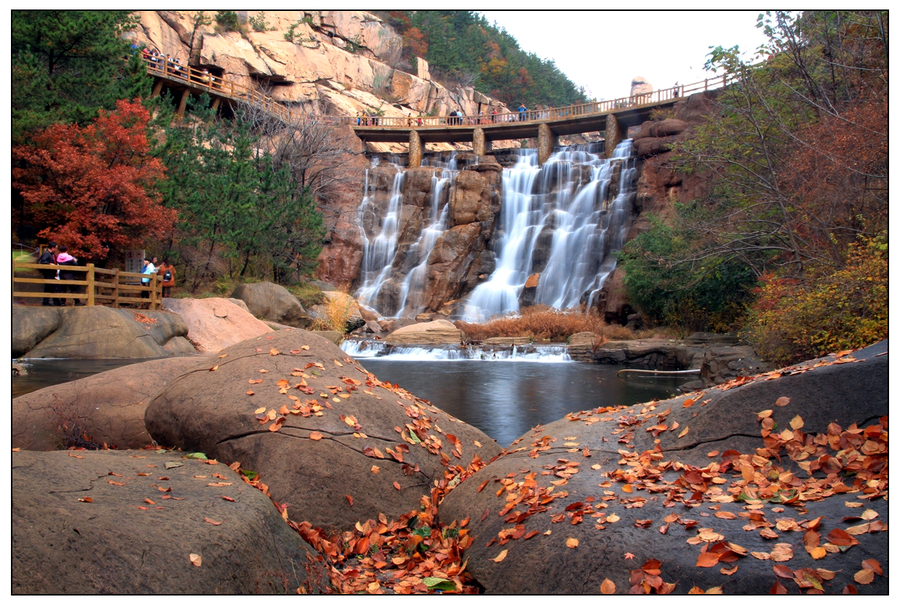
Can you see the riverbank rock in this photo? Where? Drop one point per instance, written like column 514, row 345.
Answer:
column 652, row 354
column 438, row 332
column 271, row 302
column 215, row 323
column 106, row 408
column 97, row 333
column 776, row 483
column 328, row 438
column 581, row 345
column 148, row 522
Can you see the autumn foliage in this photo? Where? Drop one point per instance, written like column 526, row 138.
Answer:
column 93, row 188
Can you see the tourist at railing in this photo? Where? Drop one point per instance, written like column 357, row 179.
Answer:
column 48, row 257
column 148, row 269
column 64, row 258
column 522, row 110
column 168, row 276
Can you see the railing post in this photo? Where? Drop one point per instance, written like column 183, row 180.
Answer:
column 115, row 288
column 89, row 288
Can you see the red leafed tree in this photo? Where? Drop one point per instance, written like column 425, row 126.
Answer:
column 94, row 188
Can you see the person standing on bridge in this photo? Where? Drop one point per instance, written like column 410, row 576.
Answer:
column 522, row 110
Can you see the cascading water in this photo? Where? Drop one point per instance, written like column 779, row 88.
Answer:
column 379, row 260
column 556, row 236
column 555, row 221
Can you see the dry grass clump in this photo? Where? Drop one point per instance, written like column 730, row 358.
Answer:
column 545, row 323
column 335, row 313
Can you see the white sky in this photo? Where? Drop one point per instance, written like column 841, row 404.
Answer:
column 604, row 50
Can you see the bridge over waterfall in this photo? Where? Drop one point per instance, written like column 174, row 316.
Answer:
column 612, row 117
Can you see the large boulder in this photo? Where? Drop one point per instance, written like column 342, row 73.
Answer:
column 215, row 323
column 271, row 302
column 149, row 522
column 776, row 483
column 98, row 333
column 106, row 408
column 438, row 332
column 328, row 438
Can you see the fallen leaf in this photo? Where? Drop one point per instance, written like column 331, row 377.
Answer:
column 376, row 469
column 572, row 542
column 628, row 556
column 196, row 560
column 613, row 518
column 349, row 499
column 782, row 401
column 873, row 565
column 88, row 500
column 687, row 403
column 608, row 587
column 214, row 368
column 500, row 557
column 796, row 422
column 864, row 576
column 315, row 435
column 707, row 559
column 684, row 432
column 397, row 485
column 210, row 521
column 727, row 571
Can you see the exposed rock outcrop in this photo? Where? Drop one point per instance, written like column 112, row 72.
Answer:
column 328, row 438
column 437, row 332
column 141, row 522
column 751, row 491
column 216, row 323
column 271, row 302
column 97, row 333
column 106, row 408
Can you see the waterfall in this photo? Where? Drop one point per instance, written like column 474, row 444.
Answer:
column 366, row 349
column 555, row 222
column 554, row 242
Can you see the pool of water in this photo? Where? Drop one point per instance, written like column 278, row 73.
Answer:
column 506, row 399
column 48, row 372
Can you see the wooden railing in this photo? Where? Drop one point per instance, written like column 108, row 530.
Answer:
column 107, row 287
column 216, row 85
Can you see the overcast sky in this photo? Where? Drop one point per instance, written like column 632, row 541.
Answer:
column 604, row 50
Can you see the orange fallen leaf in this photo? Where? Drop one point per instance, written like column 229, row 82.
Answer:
column 211, row 522
column 273, row 351
column 315, row 435
column 873, row 565
column 608, row 587
column 687, row 403
column 397, row 485
column 196, row 560
column 572, row 542
column 149, row 501
column 727, row 571
column 628, row 556
column 707, row 559
column 864, row 576
column 88, row 500
column 214, row 368
column 349, row 499
column 782, row 401
column 500, row 557
column 796, row 422
column 713, row 454
column 376, row 469
column 613, row 518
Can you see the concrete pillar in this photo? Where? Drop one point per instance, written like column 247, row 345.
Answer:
column 182, row 104
column 480, row 144
column 157, row 87
column 614, row 135
column 415, row 149
column 547, row 140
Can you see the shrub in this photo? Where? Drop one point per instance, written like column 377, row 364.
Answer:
column 228, row 21
column 843, row 309
column 544, row 323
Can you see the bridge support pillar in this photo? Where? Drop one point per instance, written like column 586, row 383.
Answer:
column 614, row 135
column 547, row 140
column 480, row 144
column 182, row 104
column 157, row 87
column 415, row 149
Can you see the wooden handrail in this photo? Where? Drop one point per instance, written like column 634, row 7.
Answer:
column 187, row 74
column 111, row 286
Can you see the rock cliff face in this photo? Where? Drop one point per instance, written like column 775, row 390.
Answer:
column 659, row 185
column 330, row 62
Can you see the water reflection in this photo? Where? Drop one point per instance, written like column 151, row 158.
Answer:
column 506, row 400
column 48, row 372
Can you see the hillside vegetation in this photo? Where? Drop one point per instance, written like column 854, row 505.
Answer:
column 462, row 48
column 790, row 243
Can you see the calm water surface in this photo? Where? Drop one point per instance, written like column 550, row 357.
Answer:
column 506, row 399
